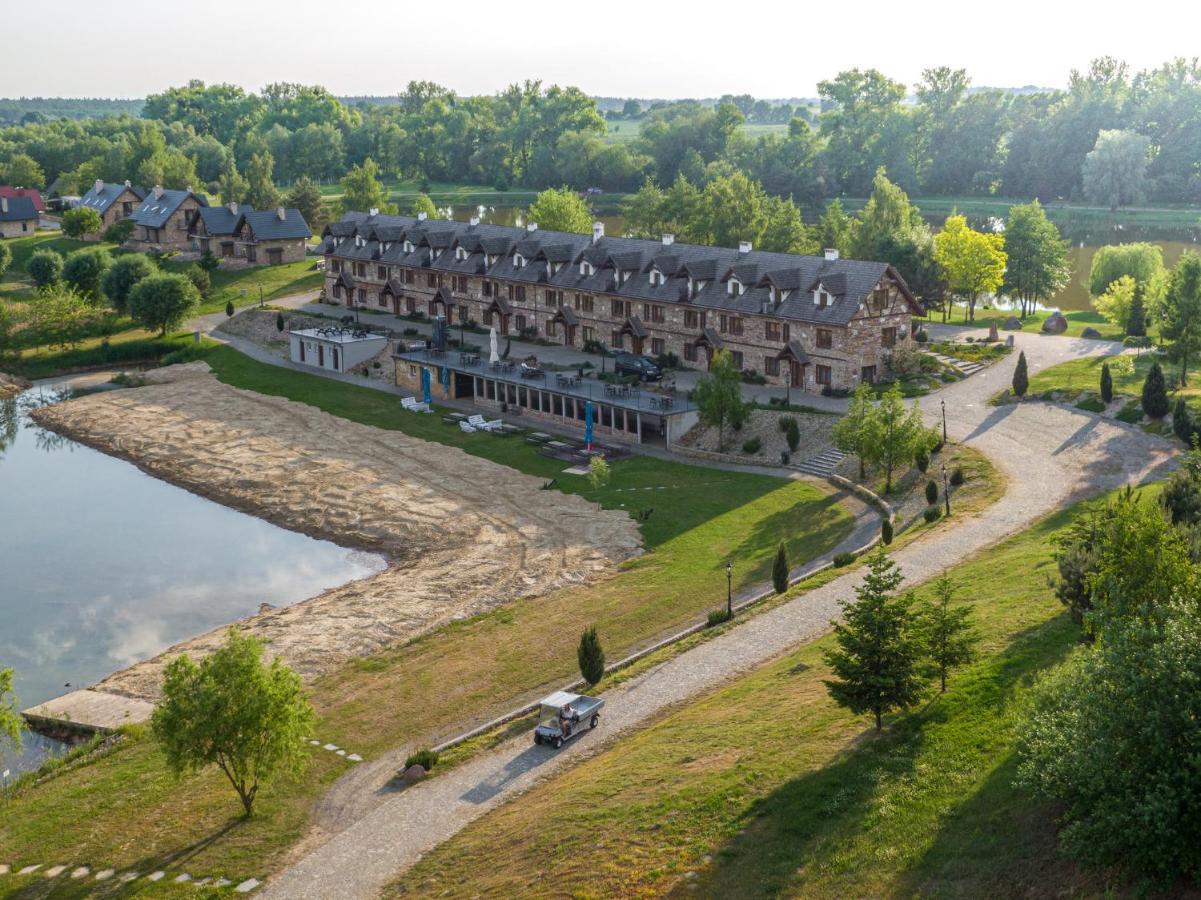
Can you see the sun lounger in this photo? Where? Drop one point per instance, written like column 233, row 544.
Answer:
column 476, row 421
column 470, row 429
column 412, row 404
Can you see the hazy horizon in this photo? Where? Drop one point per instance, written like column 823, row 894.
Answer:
column 623, row 49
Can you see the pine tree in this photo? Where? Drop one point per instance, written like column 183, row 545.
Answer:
column 876, row 663
column 886, row 531
column 950, row 637
column 591, row 656
column 779, row 571
column 1021, row 377
column 1106, row 384
column 1155, row 393
column 1182, row 422
column 1136, row 325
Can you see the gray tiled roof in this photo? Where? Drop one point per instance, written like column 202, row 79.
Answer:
column 155, row 211
column 218, row 220
column 17, row 209
column 107, row 195
column 794, row 277
column 268, row 226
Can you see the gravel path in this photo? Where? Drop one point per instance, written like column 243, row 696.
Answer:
column 1051, row 456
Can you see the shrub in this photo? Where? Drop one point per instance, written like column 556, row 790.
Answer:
column 200, row 279
column 279, row 323
column 208, row 261
column 957, row 476
column 932, row 513
column 906, row 359
column 80, row 221
column 948, row 376
column 1091, row 404
column 784, row 420
column 779, row 570
column 6, row 258
column 843, row 559
column 931, row 492
column 750, row 376
column 122, row 276
column 409, row 332
column 425, row 758
column 1131, row 413
column 1106, row 384
column 162, row 301
column 886, row 532
column 1155, row 393
column 45, row 267
column 667, row 360
column 1021, row 378
column 792, row 435
column 717, row 616
column 591, row 656
column 751, row 446
column 84, row 269
column 921, row 337
column 922, row 461
column 119, row 232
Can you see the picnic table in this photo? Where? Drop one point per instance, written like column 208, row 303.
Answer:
column 537, row 437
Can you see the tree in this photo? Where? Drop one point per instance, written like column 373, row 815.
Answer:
column 591, row 656
column 11, row 723
column 162, row 302
column 231, row 186
column 560, row 209
column 1182, row 422
column 779, row 570
column 855, row 430
column 362, row 190
column 306, row 197
column 718, row 396
column 1036, row 267
column 1117, row 303
column 6, row 259
column 229, row 309
column 631, row 109
column 886, row 531
column 1115, row 170
column 200, row 278
column 948, row 634
column 1181, row 315
column 422, row 203
column 1143, row 262
column 1021, row 377
column 1155, row 393
column 209, row 261
column 1106, row 384
column 260, row 186
column 22, row 170
column 119, row 232
column 898, row 433
column 232, row 711
column 279, row 322
column 1136, row 323
column 119, row 279
column 973, row 262
column 60, row 316
column 878, row 655
column 80, row 221
column 598, row 471
column 84, row 269
column 45, row 267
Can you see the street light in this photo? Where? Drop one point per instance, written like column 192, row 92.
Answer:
column 946, row 490
column 729, row 590
column 944, row 421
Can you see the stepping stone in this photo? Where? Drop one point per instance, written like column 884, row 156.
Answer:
column 315, row 743
column 354, row 757
column 331, row 746
column 29, row 870
column 181, row 878
column 156, row 876
column 55, row 871
column 222, row 882
column 247, row 886
column 4, row 869
column 203, row 881
column 80, row 872
column 341, row 752
column 106, row 874
column 126, row 876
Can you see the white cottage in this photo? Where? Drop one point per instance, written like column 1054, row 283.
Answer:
column 335, row 349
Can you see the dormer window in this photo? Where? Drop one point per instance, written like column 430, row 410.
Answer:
column 408, row 246
column 586, row 268
column 822, row 298
column 623, row 275
column 460, row 253
column 518, row 261
column 735, row 288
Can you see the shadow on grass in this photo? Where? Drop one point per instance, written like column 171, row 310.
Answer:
column 819, row 517
column 809, row 826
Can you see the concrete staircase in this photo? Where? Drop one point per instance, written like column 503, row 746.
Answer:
column 963, row 367
column 823, row 464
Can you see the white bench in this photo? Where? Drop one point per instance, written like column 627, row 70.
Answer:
column 412, row 404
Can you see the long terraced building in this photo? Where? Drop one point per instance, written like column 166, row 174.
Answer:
column 816, row 323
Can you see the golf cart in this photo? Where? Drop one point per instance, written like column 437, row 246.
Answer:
column 562, row 715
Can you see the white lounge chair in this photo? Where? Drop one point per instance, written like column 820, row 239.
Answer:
column 464, row 426
column 494, row 425
column 412, row 404
column 476, row 421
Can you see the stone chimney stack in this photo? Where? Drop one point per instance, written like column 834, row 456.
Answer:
column 531, row 226
column 668, row 240
column 158, row 192
column 598, row 231
column 374, row 211
column 831, row 253
column 281, row 214
column 233, row 207
column 3, row 204
column 421, row 217
column 475, row 220
column 98, row 186
column 744, row 247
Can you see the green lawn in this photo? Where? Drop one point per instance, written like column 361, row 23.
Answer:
column 1084, row 374
column 460, row 675
column 1061, row 213
column 766, row 788
column 1078, row 320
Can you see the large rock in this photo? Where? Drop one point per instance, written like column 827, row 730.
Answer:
column 1092, row 333
column 1013, row 323
column 414, row 773
column 1055, row 324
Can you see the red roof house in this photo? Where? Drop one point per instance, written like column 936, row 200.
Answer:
column 32, row 193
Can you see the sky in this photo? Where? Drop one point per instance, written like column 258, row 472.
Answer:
column 639, row 48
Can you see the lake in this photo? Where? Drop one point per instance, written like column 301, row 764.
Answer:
column 102, row 565
column 1084, row 240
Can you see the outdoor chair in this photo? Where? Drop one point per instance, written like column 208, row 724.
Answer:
column 469, row 429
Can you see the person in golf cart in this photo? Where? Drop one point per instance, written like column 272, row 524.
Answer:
column 566, row 714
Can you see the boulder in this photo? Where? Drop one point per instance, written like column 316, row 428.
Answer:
column 414, row 773
column 1091, row 333
column 1013, row 323
column 1055, row 324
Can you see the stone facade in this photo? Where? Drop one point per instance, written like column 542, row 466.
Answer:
column 172, row 235
column 18, row 228
column 125, row 204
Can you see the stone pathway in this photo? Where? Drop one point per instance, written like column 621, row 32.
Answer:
column 962, row 366
column 823, row 465
column 80, row 872
column 1052, row 457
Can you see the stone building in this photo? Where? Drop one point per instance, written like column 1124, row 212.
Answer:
column 242, row 236
column 18, row 217
column 113, row 202
column 161, row 220
column 814, row 323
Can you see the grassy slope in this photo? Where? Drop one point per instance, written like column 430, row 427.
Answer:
column 1078, row 320
column 428, row 687
column 765, row 787
column 1085, row 375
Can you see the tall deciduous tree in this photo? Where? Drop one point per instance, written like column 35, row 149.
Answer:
column 718, row 396
column 363, row 191
column 306, row 197
column 1140, row 261
column 1181, row 326
column 972, row 261
column 949, row 636
column 898, row 432
column 855, row 431
column 560, row 209
column 876, row 663
column 80, row 221
column 232, row 711
column 10, row 718
column 1117, row 302
column 162, row 302
column 84, row 269
column 422, row 203
column 1036, row 265
column 231, row 186
column 1115, row 170
column 260, row 182
column 22, row 170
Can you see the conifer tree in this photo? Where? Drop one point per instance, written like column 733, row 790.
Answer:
column 591, row 656
column 1155, row 393
column 1106, row 384
column 779, row 571
column 1021, row 377
column 950, row 637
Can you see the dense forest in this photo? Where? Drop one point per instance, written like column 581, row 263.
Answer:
column 1113, row 138
column 29, row 110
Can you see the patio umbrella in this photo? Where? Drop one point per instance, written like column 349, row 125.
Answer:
column 588, row 424
column 425, row 385
column 494, row 356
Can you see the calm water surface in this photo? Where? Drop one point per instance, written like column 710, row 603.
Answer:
column 102, row 565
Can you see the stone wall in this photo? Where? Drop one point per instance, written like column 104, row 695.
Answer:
column 18, row 228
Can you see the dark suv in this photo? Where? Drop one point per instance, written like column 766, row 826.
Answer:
column 643, row 366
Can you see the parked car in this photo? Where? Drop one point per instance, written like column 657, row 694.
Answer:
column 642, row 366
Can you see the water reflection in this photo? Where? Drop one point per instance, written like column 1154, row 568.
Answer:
column 104, row 565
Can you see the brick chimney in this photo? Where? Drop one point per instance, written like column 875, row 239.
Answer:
column 744, row 247
column 831, row 253
column 98, row 186
column 598, row 231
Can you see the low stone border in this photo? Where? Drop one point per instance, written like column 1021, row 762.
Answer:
column 79, row 872
column 333, row 748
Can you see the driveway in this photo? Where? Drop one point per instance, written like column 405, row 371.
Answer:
column 1051, row 457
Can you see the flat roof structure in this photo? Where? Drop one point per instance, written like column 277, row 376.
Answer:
column 338, row 335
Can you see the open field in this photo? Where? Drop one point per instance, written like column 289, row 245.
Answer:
column 415, row 693
column 1062, row 213
column 766, row 788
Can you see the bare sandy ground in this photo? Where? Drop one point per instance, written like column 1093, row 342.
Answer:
column 11, row 385
column 462, row 534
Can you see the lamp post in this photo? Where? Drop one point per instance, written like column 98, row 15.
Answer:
column 944, row 421
column 946, row 489
column 260, row 295
column 729, row 590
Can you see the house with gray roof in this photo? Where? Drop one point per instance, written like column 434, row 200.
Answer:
column 162, row 220
column 241, row 235
column 18, row 217
column 816, row 323
column 113, row 202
